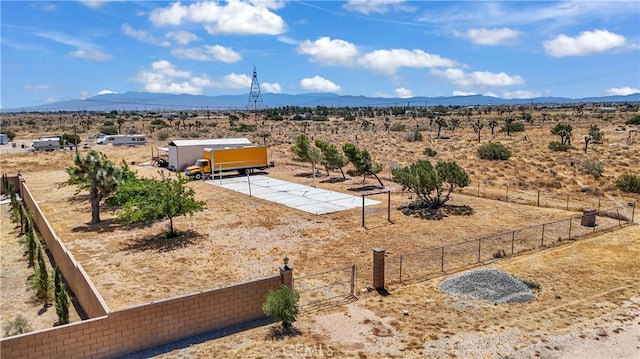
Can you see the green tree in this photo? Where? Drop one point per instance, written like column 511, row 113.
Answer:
column 493, row 124
column 304, row 152
column 281, row 305
column 146, row 200
column 440, row 122
column 332, row 159
column 361, row 160
column 432, row 185
column 96, row 174
column 62, row 305
column 477, row 128
column 41, row 279
column 10, row 134
column 564, row 131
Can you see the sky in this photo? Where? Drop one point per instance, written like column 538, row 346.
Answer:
column 59, row 50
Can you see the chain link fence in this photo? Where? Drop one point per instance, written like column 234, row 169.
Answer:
column 431, row 262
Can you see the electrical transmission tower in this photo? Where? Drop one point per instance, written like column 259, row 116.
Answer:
column 255, row 98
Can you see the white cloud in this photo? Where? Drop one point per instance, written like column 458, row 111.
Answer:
column 377, row 6
column 90, row 54
column 93, row 3
column 478, row 78
column 403, row 92
column 318, row 83
column 106, row 92
column 463, row 93
column 40, row 88
column 271, row 87
column 235, row 17
column 182, row 37
column 44, row 6
column 236, row 81
column 329, row 52
column 144, row 36
column 622, row 91
column 491, row 37
column 388, row 61
column 520, row 94
column 587, row 43
column 208, row 53
column 85, row 50
column 287, row 40
column 164, row 77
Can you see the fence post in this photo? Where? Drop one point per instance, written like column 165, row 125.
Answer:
column 513, row 239
column 478, row 189
column 567, row 202
column 618, row 215
column 633, row 212
column 286, row 274
column 378, row 268
column 538, row 198
column 363, row 226
column 598, row 204
column 506, row 198
column 542, row 242
column 353, row 280
column 570, row 220
column 389, row 206
column 401, row 269
column 479, row 246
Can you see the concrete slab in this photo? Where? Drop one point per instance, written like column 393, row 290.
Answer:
column 301, row 197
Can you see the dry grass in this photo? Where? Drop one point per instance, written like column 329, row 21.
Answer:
column 239, row 237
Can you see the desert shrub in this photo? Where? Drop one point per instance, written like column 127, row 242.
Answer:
column 109, row 130
column 428, row 151
column 243, row 127
column 397, row 127
column 413, row 136
column 282, row 305
column 595, row 133
column 628, row 183
column 531, row 284
column 212, row 124
column 19, row 325
column 592, row 167
column 494, row 151
column 635, row 120
column 159, row 123
column 108, row 123
column 515, row 126
column 163, row 135
column 559, row 146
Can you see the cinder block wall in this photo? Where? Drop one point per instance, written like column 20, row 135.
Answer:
column 110, row 334
column 89, row 298
column 145, row 326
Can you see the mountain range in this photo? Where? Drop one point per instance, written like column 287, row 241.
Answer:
column 143, row 101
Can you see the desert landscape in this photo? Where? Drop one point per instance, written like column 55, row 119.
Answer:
column 588, row 297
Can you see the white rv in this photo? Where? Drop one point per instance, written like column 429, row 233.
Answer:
column 122, row 140
column 46, row 144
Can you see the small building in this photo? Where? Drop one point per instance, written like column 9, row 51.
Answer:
column 183, row 153
column 4, row 139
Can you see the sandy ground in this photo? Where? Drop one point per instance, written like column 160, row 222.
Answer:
column 239, row 238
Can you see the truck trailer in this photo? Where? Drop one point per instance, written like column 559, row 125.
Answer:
column 217, row 160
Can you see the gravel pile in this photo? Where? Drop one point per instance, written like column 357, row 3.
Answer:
column 492, row 285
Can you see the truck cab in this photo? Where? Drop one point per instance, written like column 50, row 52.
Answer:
column 198, row 169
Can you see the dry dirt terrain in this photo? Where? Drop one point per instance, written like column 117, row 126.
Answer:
column 586, row 285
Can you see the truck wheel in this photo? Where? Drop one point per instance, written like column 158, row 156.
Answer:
column 198, row 176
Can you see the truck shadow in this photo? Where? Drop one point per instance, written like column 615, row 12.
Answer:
column 160, row 242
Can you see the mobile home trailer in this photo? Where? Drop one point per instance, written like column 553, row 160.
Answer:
column 122, row 140
column 46, row 144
